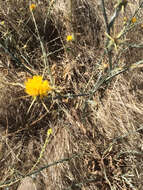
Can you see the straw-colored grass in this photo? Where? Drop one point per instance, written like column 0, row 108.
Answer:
column 97, row 122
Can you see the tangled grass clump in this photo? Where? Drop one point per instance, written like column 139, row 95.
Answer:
column 83, row 129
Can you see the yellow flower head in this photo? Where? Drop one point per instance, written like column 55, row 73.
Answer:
column 36, row 86
column 70, row 38
column 32, row 7
column 134, row 20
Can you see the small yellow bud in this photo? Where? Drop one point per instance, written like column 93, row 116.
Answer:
column 125, row 19
column 2, row 22
column 134, row 20
column 49, row 131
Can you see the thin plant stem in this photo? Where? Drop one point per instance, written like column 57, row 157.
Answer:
column 45, row 59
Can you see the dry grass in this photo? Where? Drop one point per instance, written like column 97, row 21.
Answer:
column 97, row 138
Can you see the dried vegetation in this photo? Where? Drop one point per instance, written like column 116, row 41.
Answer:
column 97, row 137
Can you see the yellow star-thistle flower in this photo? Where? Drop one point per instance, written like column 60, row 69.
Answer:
column 70, row 38
column 32, row 7
column 36, row 86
